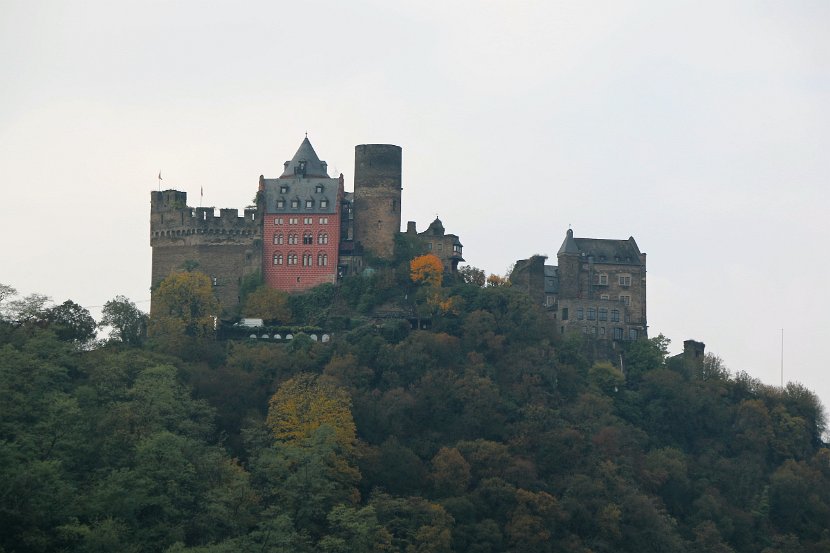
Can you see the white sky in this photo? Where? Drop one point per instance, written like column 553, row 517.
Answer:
column 699, row 127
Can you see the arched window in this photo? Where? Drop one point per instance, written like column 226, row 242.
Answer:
column 306, row 259
column 277, row 258
column 323, row 238
column 278, row 238
column 308, row 238
column 322, row 259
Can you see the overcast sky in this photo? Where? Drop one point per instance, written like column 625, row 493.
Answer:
column 701, row 128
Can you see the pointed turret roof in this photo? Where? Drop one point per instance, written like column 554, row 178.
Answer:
column 305, row 163
column 569, row 245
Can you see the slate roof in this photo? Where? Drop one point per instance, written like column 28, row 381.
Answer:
column 300, row 190
column 622, row 252
column 551, row 279
column 305, row 163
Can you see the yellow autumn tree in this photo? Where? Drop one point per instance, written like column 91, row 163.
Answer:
column 427, row 269
column 184, row 300
column 304, row 403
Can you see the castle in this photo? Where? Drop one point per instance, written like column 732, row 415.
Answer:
column 598, row 287
column 304, row 230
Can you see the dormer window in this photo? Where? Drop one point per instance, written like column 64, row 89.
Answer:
column 318, row 189
column 295, row 204
column 283, row 189
column 280, row 204
column 324, row 203
column 309, row 204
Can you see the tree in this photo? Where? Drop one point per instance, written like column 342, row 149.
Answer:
column 427, row 269
column 472, row 275
column 496, row 281
column 306, row 402
column 186, row 297
column 268, row 304
column 71, row 322
column 6, row 292
column 129, row 324
column 29, row 309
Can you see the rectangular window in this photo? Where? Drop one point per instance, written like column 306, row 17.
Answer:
column 295, row 203
column 324, row 204
column 602, row 331
column 626, row 299
column 603, row 314
column 618, row 333
column 429, row 246
column 564, row 313
column 615, row 315
column 605, row 297
column 280, row 204
column 440, row 246
column 580, row 313
column 283, row 190
column 632, row 334
column 278, row 221
column 324, row 220
column 625, row 280
column 309, row 204
column 307, row 220
column 293, row 220
column 601, row 279
column 318, row 189
column 592, row 313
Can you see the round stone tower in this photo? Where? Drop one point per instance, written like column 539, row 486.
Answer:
column 377, row 197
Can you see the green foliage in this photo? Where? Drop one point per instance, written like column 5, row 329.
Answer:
column 71, row 323
column 128, row 323
column 486, row 433
column 268, row 304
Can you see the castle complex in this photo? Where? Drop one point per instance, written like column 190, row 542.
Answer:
column 304, row 230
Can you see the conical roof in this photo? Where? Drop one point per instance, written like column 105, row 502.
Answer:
column 569, row 245
column 305, row 163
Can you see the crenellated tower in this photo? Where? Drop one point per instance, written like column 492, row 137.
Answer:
column 226, row 248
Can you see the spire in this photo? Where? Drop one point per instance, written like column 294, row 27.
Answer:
column 569, row 245
column 305, row 163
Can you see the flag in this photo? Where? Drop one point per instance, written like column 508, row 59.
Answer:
column 201, row 190
column 160, row 176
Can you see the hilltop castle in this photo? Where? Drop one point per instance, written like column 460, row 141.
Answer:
column 304, row 230
column 598, row 287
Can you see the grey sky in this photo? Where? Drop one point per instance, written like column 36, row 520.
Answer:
column 700, row 128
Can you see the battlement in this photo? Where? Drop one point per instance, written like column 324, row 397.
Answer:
column 171, row 219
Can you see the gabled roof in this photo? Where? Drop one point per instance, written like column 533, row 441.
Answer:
column 602, row 250
column 305, row 163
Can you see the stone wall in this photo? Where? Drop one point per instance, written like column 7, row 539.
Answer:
column 377, row 197
column 226, row 247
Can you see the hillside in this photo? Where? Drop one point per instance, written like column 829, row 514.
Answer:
column 486, row 432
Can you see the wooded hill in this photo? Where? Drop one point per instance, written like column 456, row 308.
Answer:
column 486, row 433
